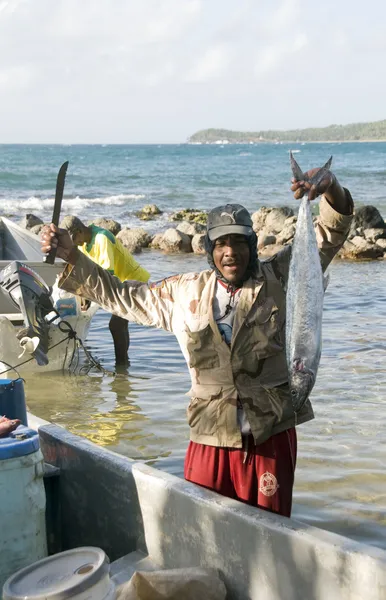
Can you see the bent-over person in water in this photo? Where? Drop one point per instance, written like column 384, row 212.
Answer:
column 109, row 253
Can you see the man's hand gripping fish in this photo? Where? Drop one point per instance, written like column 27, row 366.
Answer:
column 305, row 294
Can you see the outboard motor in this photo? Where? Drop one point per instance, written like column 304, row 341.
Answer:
column 31, row 295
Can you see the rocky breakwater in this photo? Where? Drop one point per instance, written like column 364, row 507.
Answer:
column 275, row 228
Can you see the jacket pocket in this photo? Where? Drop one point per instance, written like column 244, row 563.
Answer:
column 280, row 399
column 202, row 413
column 264, row 335
column 202, row 349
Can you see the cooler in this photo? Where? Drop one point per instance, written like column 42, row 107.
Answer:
column 22, row 501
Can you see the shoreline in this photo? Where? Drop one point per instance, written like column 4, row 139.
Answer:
column 189, row 143
column 282, row 143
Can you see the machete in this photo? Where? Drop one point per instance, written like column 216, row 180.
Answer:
column 49, row 258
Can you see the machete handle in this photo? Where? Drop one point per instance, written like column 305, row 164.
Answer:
column 49, row 258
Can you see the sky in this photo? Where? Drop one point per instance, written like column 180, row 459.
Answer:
column 157, row 71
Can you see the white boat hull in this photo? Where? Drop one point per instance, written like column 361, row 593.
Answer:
column 148, row 519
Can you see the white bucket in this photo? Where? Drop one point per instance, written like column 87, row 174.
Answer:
column 79, row 574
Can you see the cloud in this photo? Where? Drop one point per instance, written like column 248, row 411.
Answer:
column 178, row 65
column 272, row 57
column 268, row 59
column 9, row 6
column 172, row 22
column 123, row 21
column 211, row 65
column 300, row 42
column 283, row 17
column 161, row 75
column 16, row 78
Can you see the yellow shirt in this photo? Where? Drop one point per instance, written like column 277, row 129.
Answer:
column 110, row 254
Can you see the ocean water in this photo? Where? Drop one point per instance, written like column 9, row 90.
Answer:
column 118, row 180
column 340, row 478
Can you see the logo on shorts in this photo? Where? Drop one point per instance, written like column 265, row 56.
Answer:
column 268, row 484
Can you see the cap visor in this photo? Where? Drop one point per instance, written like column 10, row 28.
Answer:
column 217, row 232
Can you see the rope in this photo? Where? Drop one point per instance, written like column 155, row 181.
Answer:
column 11, row 368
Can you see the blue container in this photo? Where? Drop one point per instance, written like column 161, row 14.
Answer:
column 66, row 307
column 12, row 400
column 20, row 442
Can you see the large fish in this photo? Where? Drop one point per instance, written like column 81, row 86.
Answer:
column 305, row 294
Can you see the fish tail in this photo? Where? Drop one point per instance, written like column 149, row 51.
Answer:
column 296, row 170
column 317, row 178
column 328, row 164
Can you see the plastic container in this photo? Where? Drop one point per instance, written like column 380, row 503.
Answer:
column 22, row 500
column 79, row 574
column 65, row 303
column 12, row 400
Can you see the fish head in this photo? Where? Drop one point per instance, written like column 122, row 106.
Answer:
column 301, row 382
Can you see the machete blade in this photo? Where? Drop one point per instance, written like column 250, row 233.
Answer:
column 50, row 257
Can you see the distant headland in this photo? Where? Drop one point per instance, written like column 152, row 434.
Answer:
column 354, row 132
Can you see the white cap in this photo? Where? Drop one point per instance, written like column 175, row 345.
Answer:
column 61, row 576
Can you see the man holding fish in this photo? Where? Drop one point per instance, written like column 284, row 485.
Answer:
column 230, row 323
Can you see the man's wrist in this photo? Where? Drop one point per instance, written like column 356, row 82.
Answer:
column 338, row 199
column 73, row 255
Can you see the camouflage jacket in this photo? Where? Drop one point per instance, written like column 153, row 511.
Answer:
column 253, row 369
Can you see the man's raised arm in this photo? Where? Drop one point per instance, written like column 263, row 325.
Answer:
column 336, row 209
column 132, row 300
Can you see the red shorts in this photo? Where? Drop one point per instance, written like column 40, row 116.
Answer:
column 261, row 475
